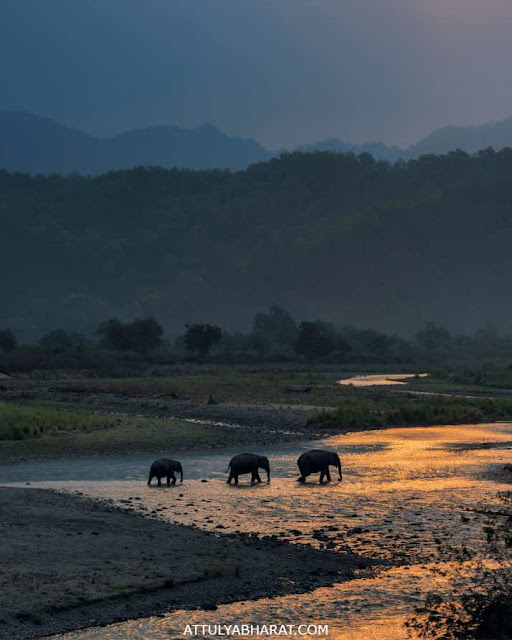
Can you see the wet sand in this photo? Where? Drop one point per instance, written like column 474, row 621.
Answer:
column 68, row 562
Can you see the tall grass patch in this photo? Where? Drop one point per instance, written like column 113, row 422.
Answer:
column 22, row 423
column 410, row 411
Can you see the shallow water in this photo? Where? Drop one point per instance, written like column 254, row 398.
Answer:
column 381, row 380
column 405, row 493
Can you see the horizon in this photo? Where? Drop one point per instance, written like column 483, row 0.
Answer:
column 296, row 147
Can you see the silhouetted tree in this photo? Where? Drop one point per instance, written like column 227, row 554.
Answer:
column 277, row 326
column 62, row 340
column 113, row 335
column 201, row 337
column 8, row 340
column 319, row 339
column 433, row 336
column 144, row 334
column 141, row 335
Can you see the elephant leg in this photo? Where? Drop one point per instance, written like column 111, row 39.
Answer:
column 258, row 479
column 168, row 479
column 236, row 479
column 328, row 475
column 228, row 481
column 254, row 476
column 159, row 481
column 173, row 478
column 322, row 474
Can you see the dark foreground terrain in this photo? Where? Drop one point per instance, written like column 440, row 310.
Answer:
column 68, row 562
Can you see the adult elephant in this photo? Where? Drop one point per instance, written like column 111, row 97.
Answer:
column 165, row 468
column 247, row 463
column 317, row 460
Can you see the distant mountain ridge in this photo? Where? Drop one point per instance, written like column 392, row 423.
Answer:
column 35, row 144
column 468, row 138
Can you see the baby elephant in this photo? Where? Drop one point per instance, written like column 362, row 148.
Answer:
column 247, row 463
column 318, row 461
column 165, row 468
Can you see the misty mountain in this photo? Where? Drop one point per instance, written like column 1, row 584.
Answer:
column 34, row 144
column 470, row 139
column 325, row 235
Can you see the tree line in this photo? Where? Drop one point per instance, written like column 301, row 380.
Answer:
column 274, row 333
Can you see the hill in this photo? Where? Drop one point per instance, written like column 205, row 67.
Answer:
column 325, row 235
column 493, row 134
column 34, row 144
column 470, row 139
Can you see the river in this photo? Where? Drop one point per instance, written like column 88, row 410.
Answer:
column 405, row 492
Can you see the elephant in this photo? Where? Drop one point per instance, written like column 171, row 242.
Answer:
column 165, row 468
column 247, row 463
column 318, row 460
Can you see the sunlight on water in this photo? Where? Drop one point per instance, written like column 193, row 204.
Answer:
column 381, row 380
column 404, row 493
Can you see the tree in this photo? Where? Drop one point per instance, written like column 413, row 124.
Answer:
column 278, row 326
column 61, row 340
column 144, row 334
column 433, row 336
column 141, row 335
column 113, row 335
column 319, row 339
column 8, row 340
column 201, row 337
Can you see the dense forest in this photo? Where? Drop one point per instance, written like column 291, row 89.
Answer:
column 340, row 237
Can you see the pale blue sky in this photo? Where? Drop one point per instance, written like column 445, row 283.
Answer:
column 282, row 71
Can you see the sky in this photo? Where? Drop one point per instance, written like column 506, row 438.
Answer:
column 285, row 72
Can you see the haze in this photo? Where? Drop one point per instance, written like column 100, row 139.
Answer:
column 282, row 72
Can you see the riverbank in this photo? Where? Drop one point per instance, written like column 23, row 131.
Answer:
column 115, row 417
column 70, row 562
column 52, row 430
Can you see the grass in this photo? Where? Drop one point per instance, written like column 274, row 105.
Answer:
column 39, row 431
column 412, row 410
column 281, row 385
column 22, row 422
column 486, row 376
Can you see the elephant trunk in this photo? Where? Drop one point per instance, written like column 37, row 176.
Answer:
column 181, row 473
column 339, row 470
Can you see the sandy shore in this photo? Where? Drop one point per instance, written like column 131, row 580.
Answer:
column 69, row 562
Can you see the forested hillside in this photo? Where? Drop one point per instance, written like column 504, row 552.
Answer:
column 334, row 236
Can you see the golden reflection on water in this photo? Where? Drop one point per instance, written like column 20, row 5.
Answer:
column 381, row 380
column 405, row 494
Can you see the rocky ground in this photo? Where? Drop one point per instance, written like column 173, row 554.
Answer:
column 69, row 562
